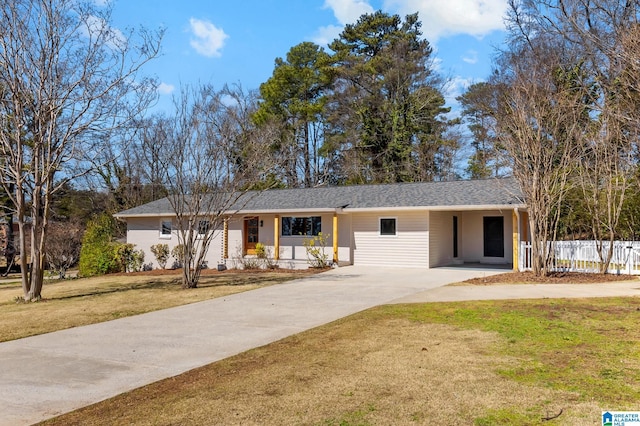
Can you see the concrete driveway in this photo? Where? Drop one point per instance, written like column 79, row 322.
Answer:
column 43, row 376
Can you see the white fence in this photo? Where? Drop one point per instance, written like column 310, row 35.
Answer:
column 582, row 256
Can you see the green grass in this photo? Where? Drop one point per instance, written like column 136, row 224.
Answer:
column 584, row 346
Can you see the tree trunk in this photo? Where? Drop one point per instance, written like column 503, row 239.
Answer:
column 307, row 158
column 190, row 276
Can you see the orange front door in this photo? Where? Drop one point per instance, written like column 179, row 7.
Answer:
column 250, row 235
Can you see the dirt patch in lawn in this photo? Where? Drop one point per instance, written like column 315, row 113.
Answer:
column 553, row 278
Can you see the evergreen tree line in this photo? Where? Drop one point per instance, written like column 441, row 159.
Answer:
column 368, row 110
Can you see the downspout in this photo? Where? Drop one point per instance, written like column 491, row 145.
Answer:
column 335, row 238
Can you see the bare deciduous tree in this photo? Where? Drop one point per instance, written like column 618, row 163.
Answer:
column 67, row 78
column 64, row 240
column 569, row 112
column 212, row 156
column 537, row 124
column 600, row 30
column 595, row 80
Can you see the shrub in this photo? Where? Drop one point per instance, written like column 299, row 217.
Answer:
column 251, row 263
column 261, row 252
column 315, row 246
column 161, row 253
column 98, row 254
column 178, row 254
column 269, row 261
column 131, row 260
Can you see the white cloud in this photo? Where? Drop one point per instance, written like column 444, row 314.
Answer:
column 345, row 12
column 348, row 11
column 95, row 27
column 439, row 18
column 457, row 86
column 166, row 89
column 471, row 57
column 326, row 35
column 442, row 18
column 208, row 40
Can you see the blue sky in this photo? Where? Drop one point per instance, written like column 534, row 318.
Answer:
column 221, row 41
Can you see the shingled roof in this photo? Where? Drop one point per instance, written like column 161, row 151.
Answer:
column 464, row 194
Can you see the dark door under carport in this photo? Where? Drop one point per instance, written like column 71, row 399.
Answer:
column 494, row 236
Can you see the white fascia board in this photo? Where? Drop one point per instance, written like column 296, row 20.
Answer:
column 347, row 210
column 126, row 216
column 439, row 208
column 237, row 212
column 287, row 211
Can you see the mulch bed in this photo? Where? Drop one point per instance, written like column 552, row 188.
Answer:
column 553, row 278
column 207, row 272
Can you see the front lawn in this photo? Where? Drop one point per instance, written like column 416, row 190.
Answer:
column 468, row 363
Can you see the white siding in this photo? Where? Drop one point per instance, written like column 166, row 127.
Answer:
column 470, row 238
column 473, row 237
column 409, row 247
column 145, row 232
column 423, row 239
column 441, row 238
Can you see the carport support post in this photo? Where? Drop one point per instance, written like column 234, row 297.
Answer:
column 276, row 238
column 516, row 239
column 335, row 238
column 225, row 238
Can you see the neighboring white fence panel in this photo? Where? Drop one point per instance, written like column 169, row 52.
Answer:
column 582, row 256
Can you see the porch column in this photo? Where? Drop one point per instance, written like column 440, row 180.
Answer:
column 276, row 237
column 225, row 238
column 516, row 239
column 335, row 238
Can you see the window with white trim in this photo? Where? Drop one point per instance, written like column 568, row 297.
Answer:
column 388, row 226
column 166, row 227
column 306, row 226
column 204, row 226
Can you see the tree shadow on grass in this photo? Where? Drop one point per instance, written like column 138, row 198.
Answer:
column 173, row 285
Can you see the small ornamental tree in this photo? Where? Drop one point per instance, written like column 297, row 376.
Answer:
column 63, row 246
column 316, row 254
column 161, row 253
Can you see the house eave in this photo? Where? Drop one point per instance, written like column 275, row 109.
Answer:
column 252, row 212
column 439, row 208
column 343, row 210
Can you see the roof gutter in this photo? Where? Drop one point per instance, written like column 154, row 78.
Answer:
column 344, row 210
column 441, row 208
